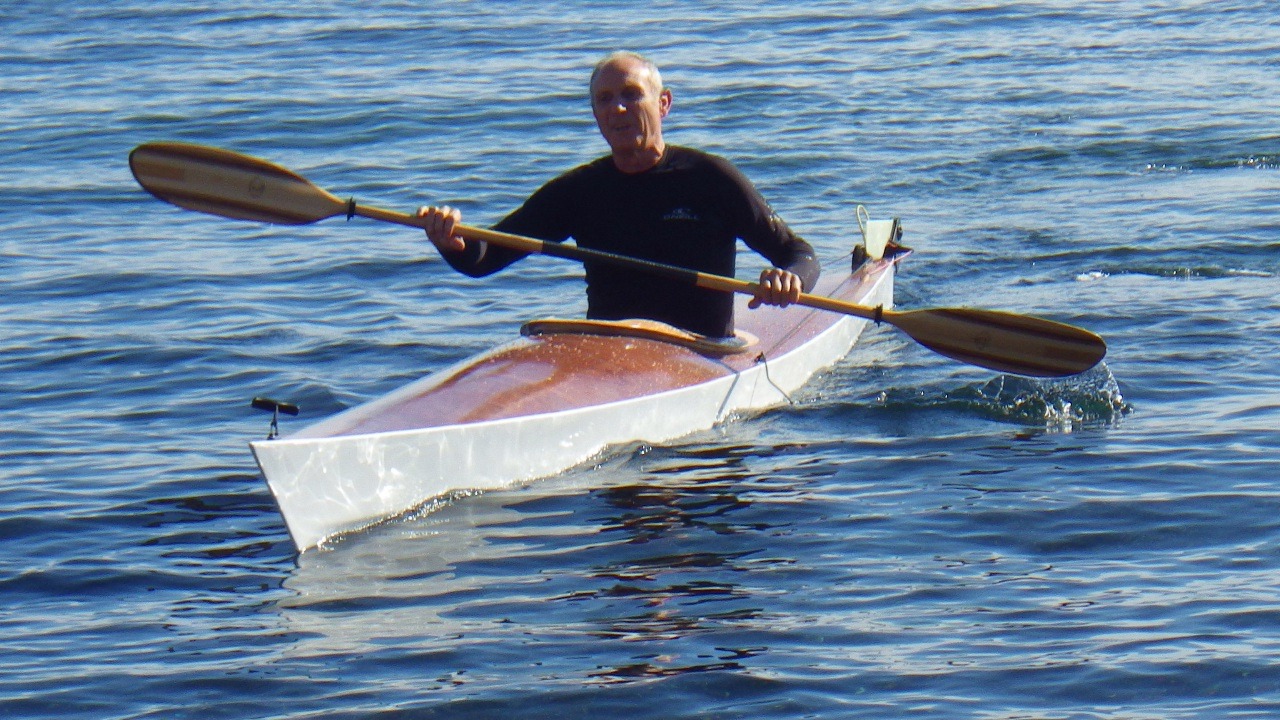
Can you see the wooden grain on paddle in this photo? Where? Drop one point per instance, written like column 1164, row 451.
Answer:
column 1003, row 341
column 232, row 185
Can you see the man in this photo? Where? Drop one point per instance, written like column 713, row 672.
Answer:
column 648, row 200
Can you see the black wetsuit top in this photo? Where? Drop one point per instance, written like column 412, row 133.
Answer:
column 688, row 210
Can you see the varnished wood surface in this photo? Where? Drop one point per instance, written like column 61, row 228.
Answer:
column 556, row 372
column 549, row 373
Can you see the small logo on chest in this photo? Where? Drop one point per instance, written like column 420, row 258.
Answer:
column 682, row 214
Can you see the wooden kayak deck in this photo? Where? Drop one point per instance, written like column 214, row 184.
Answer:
column 557, row 371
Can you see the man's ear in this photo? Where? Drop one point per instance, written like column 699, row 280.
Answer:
column 664, row 102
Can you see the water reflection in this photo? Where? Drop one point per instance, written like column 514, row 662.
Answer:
column 665, row 666
column 679, row 608
column 603, row 562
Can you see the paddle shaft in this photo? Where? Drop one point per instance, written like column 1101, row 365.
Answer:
column 992, row 339
column 581, row 254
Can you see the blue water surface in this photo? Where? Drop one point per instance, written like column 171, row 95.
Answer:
column 912, row 538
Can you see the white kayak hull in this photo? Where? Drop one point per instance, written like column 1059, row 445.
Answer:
column 336, row 477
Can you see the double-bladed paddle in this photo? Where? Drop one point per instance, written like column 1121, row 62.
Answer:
column 234, row 185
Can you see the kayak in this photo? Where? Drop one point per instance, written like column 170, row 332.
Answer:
column 567, row 391
column 562, row 394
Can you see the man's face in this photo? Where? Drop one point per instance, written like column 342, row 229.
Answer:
column 627, row 107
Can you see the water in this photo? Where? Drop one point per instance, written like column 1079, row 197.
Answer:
column 914, row 538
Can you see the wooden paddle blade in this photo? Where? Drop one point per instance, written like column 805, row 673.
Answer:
column 1006, row 342
column 226, row 183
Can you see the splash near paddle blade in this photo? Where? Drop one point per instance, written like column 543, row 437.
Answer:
column 230, row 184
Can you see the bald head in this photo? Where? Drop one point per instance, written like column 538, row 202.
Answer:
column 625, row 59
